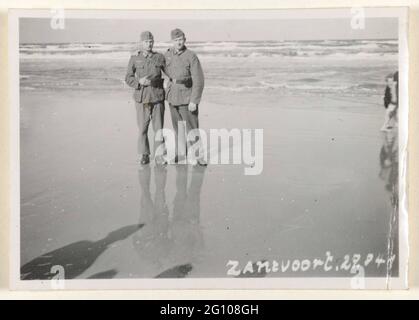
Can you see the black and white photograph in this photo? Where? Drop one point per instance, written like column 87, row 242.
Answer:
column 165, row 149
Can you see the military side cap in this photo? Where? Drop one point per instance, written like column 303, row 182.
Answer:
column 176, row 33
column 146, row 35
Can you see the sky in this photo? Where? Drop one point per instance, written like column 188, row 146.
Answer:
column 38, row 30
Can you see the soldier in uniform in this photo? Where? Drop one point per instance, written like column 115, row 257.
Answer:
column 185, row 86
column 144, row 74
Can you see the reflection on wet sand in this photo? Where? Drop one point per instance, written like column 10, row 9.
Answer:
column 170, row 243
column 389, row 164
column 75, row 258
column 389, row 173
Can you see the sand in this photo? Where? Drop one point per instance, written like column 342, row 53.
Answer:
column 86, row 205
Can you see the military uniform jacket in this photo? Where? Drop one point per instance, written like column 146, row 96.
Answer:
column 185, row 68
column 149, row 66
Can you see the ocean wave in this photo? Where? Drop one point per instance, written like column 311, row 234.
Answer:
column 213, row 55
column 326, row 88
column 86, row 55
column 271, row 86
column 331, row 48
column 307, row 87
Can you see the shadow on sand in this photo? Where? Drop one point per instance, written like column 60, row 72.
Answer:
column 75, row 258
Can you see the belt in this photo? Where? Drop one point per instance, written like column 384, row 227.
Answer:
column 158, row 83
column 182, row 81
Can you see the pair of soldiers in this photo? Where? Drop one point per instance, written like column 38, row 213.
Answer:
column 184, row 84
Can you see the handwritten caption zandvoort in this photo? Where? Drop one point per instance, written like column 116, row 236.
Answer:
column 351, row 263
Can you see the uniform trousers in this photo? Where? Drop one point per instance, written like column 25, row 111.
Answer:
column 181, row 113
column 146, row 113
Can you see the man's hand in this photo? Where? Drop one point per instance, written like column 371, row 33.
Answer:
column 144, row 81
column 192, row 106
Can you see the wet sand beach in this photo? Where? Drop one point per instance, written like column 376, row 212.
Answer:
column 326, row 186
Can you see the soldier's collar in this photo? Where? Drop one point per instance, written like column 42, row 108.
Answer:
column 180, row 51
column 146, row 54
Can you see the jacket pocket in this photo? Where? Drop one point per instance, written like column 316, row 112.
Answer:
column 185, row 94
column 139, row 64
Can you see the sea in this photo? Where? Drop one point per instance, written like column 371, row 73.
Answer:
column 249, row 69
